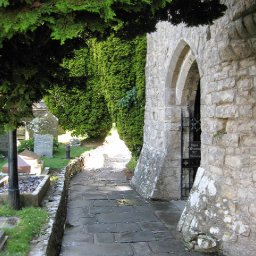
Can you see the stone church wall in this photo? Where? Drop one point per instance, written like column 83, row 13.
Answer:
column 221, row 209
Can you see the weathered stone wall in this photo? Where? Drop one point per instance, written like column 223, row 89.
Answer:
column 221, row 207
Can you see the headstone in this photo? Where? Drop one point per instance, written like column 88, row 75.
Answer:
column 43, row 145
column 46, row 124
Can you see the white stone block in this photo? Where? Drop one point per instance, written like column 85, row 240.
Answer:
column 222, row 97
column 227, row 111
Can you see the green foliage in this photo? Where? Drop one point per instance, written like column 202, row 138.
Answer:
column 121, row 67
column 3, row 161
column 81, row 110
column 31, row 222
column 26, row 144
column 29, row 145
column 35, row 36
column 112, row 90
column 131, row 165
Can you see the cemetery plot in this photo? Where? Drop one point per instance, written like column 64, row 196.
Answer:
column 32, row 189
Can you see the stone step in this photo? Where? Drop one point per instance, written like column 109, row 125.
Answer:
column 3, row 239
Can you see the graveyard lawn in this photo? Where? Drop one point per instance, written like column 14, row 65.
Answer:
column 59, row 161
column 19, row 237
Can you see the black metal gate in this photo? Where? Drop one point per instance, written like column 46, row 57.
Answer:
column 190, row 146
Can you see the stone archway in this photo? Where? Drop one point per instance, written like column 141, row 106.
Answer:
column 161, row 177
column 185, row 102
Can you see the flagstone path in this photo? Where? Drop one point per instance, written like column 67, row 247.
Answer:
column 106, row 217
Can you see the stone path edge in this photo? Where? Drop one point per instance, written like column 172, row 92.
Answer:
column 55, row 203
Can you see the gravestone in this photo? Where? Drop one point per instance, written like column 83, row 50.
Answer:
column 43, row 145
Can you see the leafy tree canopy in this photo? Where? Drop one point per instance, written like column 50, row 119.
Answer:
column 35, row 35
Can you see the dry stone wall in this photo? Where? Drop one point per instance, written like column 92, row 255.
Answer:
column 221, row 209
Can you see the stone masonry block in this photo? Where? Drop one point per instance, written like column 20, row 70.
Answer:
column 248, row 141
column 237, row 161
column 227, row 140
column 226, row 96
column 216, row 156
column 245, row 111
column 245, row 84
column 212, row 125
column 241, row 48
column 173, row 114
column 208, row 111
column 249, row 24
column 227, row 111
column 228, row 83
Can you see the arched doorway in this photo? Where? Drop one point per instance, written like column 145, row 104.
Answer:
column 184, row 94
column 190, row 144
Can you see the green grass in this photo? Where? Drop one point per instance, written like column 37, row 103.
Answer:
column 31, row 221
column 59, row 160
column 132, row 164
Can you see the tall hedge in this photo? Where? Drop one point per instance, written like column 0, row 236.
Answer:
column 83, row 108
column 121, row 73
column 113, row 90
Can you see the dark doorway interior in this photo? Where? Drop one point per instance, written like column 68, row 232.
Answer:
column 190, row 144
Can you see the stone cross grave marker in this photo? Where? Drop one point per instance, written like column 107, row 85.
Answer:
column 43, row 145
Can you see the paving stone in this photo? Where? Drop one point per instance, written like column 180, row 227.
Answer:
column 128, row 227
column 87, row 249
column 169, row 217
column 94, row 196
column 110, row 209
column 141, row 249
column 74, row 239
column 105, row 203
column 126, row 217
column 79, row 203
column 81, row 221
column 133, row 237
column 167, row 246
column 113, row 228
column 142, row 208
column 154, row 226
column 103, row 238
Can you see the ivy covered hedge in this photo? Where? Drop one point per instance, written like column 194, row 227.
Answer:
column 121, row 70
column 113, row 90
column 81, row 109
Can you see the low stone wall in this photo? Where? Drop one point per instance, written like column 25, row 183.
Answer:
column 49, row 242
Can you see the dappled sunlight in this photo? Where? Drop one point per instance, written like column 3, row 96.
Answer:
column 123, row 188
column 113, row 154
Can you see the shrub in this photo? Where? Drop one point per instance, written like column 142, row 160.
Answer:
column 120, row 71
column 26, row 144
column 83, row 109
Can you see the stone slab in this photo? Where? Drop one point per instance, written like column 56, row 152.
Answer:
column 87, row 249
column 126, row 217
